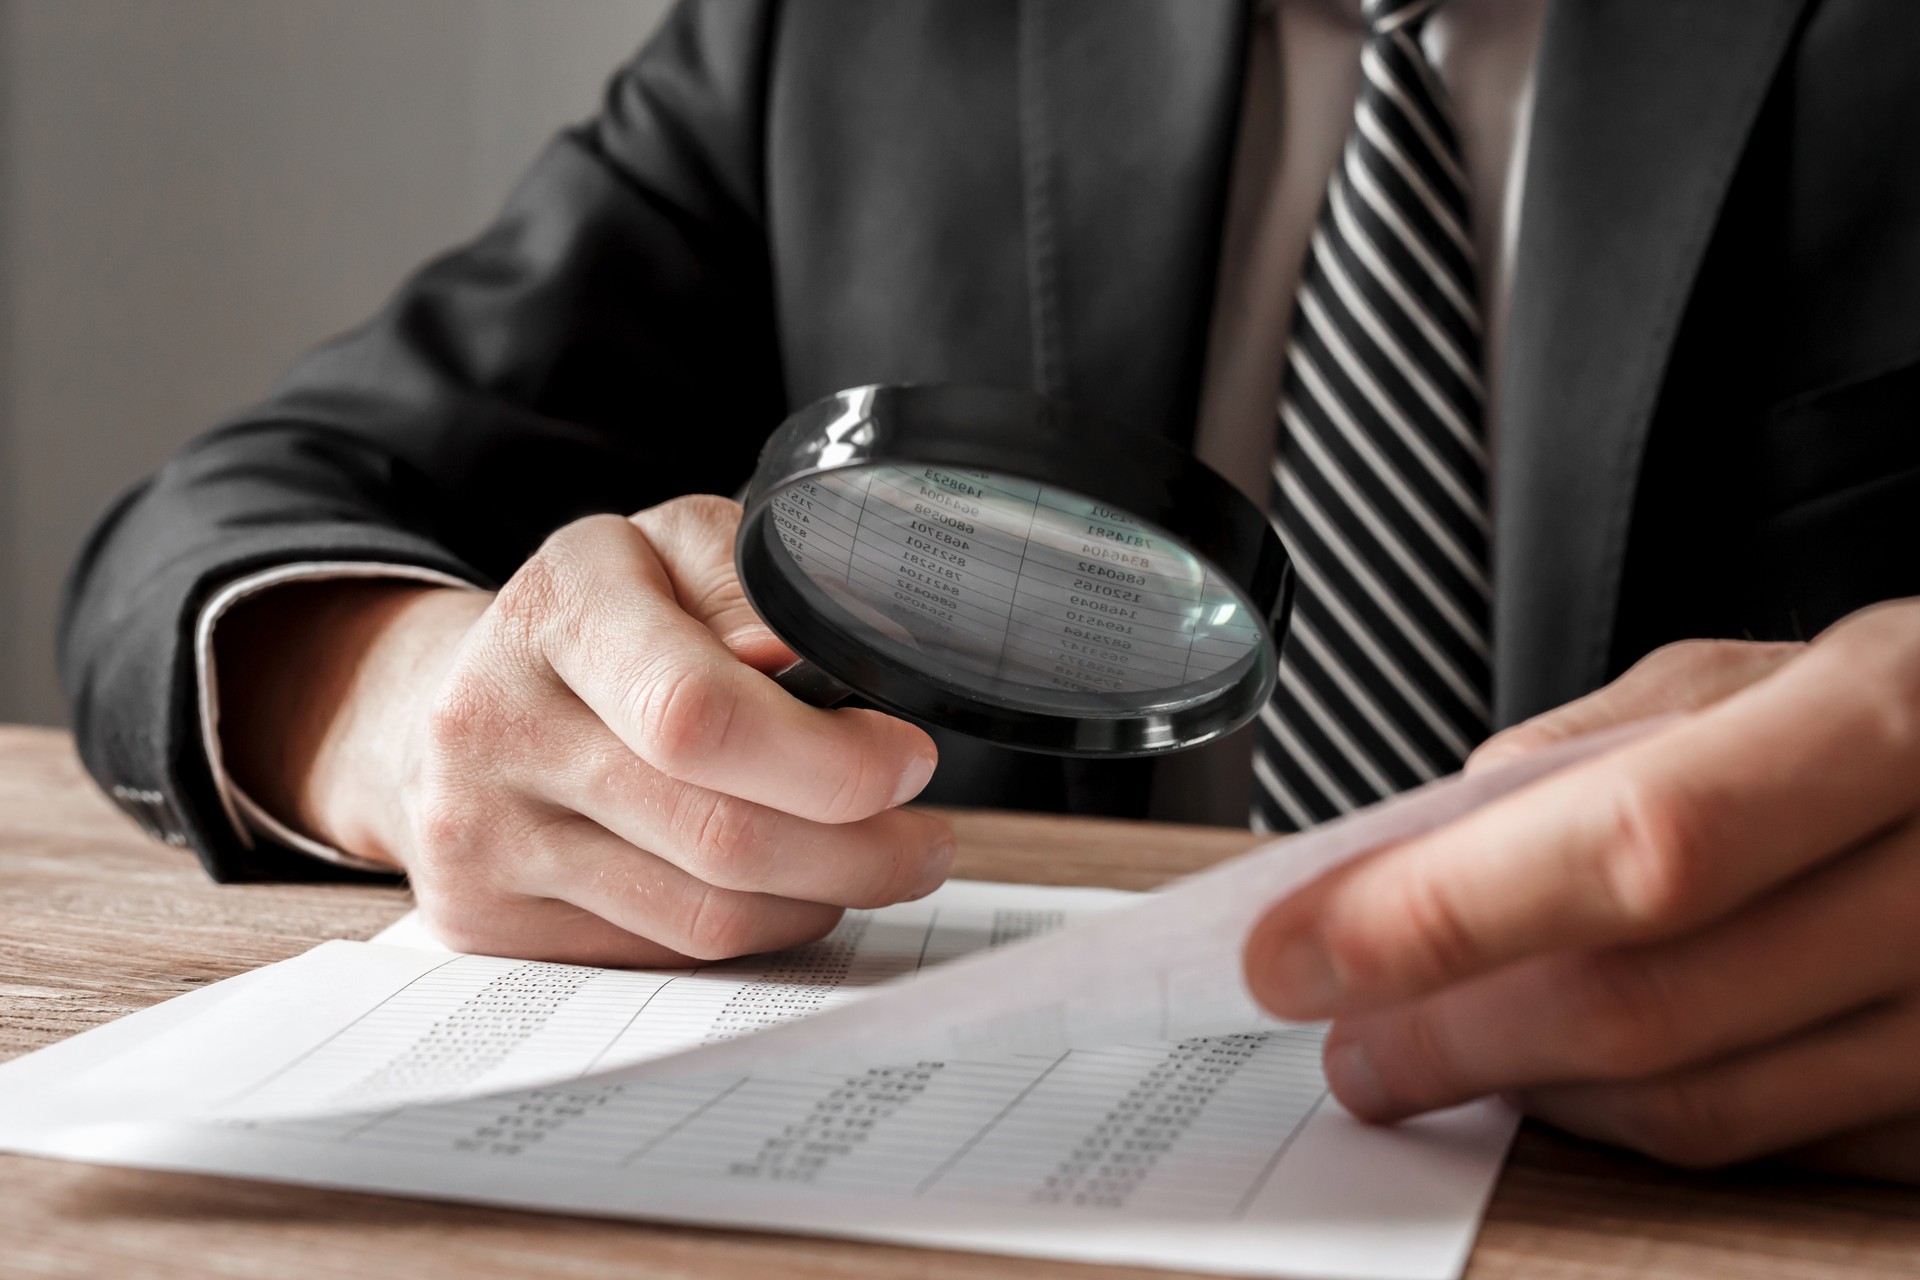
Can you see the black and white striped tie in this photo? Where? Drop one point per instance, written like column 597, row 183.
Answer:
column 1381, row 470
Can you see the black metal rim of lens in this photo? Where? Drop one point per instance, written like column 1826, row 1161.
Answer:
column 1028, row 436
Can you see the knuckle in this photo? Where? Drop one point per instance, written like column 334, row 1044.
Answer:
column 1623, row 1014
column 618, row 781
column 531, row 594
column 1708, row 669
column 718, row 925
column 717, row 600
column 723, row 837
column 1889, row 621
column 1767, row 653
column 1654, row 871
column 475, row 718
column 1682, row 1123
column 848, row 800
column 685, row 716
column 705, row 510
column 1678, row 656
column 444, row 825
column 546, row 592
column 463, row 710
column 691, row 520
column 585, row 538
column 1882, row 651
column 1433, row 939
column 1517, row 740
column 861, row 769
column 458, row 713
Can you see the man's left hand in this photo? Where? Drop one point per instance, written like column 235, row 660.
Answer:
column 1704, row 945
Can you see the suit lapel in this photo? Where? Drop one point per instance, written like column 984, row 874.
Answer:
column 1642, row 108
column 1127, row 118
column 1640, row 116
column 1128, row 110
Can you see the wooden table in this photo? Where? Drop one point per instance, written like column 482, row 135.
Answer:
column 96, row 921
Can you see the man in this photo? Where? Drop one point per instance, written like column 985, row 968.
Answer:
column 444, row 603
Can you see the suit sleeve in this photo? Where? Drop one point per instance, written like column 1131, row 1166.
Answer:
column 606, row 344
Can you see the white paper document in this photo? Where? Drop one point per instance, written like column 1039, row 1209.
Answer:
column 1221, row 1153
column 1070, row 1073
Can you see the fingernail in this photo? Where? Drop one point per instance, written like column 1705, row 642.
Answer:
column 1355, row 1082
column 913, row 780
column 1299, row 981
column 938, row 866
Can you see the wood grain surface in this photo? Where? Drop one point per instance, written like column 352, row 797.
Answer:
column 96, row 921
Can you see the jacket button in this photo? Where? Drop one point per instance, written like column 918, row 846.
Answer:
column 151, row 812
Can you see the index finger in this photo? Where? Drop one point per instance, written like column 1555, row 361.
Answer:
column 619, row 638
column 693, row 538
column 1671, row 831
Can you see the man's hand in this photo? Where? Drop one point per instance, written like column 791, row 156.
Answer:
column 1704, row 945
column 589, row 766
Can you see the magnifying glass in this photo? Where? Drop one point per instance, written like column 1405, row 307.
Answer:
column 994, row 562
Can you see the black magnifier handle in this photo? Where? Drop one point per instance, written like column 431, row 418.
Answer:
column 811, row 685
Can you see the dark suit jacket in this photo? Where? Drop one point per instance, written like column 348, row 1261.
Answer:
column 1711, row 410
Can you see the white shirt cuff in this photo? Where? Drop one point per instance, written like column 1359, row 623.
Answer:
column 248, row 818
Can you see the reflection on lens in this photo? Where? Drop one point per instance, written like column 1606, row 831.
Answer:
column 1015, row 588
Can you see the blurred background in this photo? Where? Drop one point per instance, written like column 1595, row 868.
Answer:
column 192, row 192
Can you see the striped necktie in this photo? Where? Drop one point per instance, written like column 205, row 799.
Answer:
column 1381, row 469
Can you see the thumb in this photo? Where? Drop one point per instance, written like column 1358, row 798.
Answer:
column 1688, row 676
column 693, row 537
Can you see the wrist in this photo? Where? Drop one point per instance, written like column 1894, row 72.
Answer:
column 324, row 691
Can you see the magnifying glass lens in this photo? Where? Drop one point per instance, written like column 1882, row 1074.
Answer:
column 1015, row 592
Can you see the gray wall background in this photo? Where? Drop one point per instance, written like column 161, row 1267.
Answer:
column 194, row 191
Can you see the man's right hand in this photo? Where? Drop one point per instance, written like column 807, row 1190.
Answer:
column 590, row 765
